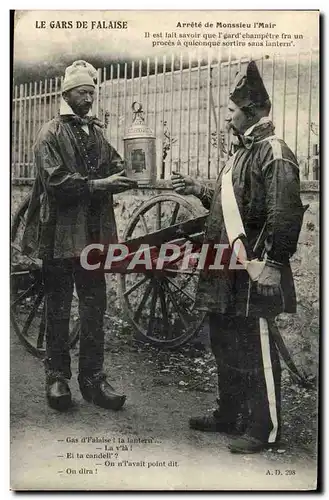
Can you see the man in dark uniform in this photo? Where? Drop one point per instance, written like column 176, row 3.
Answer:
column 266, row 188
column 71, row 207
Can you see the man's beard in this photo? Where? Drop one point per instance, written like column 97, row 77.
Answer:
column 81, row 110
column 233, row 130
column 84, row 109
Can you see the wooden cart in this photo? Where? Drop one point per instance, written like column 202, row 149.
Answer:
column 158, row 304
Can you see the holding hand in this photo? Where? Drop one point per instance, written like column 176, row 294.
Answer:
column 184, row 184
column 116, row 183
column 269, row 282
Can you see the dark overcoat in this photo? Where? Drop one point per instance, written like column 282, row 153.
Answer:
column 57, row 218
column 267, row 189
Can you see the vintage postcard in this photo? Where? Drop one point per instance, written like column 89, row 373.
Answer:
column 165, row 250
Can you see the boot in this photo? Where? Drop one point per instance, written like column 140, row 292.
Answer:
column 97, row 390
column 216, row 422
column 247, row 444
column 58, row 392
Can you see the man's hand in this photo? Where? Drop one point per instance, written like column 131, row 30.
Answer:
column 184, row 184
column 116, row 183
column 269, row 282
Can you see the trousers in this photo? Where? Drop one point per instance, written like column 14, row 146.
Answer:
column 249, row 373
column 60, row 276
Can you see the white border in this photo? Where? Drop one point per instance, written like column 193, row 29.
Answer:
column 4, row 182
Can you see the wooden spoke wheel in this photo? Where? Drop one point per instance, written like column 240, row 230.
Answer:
column 160, row 305
column 27, row 309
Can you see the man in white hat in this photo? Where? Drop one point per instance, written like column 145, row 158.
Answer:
column 78, row 171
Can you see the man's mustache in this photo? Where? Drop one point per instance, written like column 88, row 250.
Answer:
column 230, row 126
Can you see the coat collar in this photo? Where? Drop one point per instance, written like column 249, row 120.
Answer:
column 264, row 120
column 256, row 133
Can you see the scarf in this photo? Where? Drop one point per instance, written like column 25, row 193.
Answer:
column 87, row 120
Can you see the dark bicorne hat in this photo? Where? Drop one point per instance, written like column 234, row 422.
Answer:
column 248, row 87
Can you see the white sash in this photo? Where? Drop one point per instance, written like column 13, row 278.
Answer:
column 235, row 229
column 234, row 225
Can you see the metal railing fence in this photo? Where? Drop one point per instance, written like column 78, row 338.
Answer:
column 184, row 102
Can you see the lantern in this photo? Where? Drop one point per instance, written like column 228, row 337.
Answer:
column 139, row 149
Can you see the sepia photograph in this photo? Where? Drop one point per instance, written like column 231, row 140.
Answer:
column 165, row 238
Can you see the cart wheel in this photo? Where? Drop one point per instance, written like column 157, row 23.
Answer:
column 160, row 306
column 27, row 309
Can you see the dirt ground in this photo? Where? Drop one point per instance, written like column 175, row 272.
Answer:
column 148, row 445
